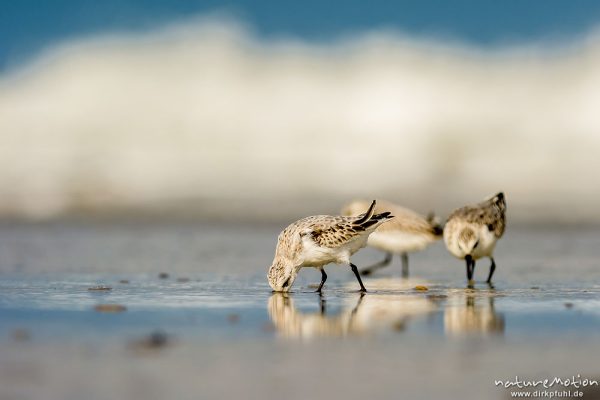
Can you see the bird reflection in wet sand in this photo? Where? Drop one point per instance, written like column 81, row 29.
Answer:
column 361, row 315
column 290, row 322
column 473, row 314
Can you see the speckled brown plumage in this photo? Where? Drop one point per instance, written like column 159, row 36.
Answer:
column 491, row 212
column 471, row 232
column 328, row 231
column 319, row 240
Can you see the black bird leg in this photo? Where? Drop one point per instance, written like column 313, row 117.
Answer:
column 323, row 279
column 468, row 263
column 404, row 265
column 369, row 270
column 492, row 269
column 470, row 268
column 355, row 270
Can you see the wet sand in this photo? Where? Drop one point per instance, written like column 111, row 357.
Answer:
column 211, row 328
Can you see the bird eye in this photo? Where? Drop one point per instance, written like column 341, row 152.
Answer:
column 476, row 244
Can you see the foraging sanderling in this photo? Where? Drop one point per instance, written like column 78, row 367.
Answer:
column 319, row 240
column 471, row 232
column 407, row 233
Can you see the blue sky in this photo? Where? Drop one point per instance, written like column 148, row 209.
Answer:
column 27, row 26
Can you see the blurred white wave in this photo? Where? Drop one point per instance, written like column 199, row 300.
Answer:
column 208, row 118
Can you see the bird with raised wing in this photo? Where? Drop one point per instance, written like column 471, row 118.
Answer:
column 320, row 240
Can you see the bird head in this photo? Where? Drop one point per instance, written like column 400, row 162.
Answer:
column 282, row 275
column 468, row 240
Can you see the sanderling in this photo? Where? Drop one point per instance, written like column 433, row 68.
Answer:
column 407, row 233
column 356, row 315
column 319, row 240
column 471, row 232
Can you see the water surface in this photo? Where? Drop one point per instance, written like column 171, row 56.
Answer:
column 212, row 328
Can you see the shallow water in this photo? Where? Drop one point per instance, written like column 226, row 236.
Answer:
column 213, row 329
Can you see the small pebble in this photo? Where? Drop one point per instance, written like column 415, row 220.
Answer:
column 125, row 281
column 535, row 287
column 100, row 288
column 399, row 326
column 421, row 288
column 233, row 318
column 110, row 308
column 157, row 339
column 182, row 280
column 569, row 305
column 163, row 275
column 21, row 335
column 154, row 341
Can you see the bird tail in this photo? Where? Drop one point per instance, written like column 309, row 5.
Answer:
column 436, row 227
column 366, row 216
column 370, row 219
column 498, row 200
column 377, row 219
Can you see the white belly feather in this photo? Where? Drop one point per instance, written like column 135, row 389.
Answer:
column 314, row 255
column 485, row 247
column 487, row 243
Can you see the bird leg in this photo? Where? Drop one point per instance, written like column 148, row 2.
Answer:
column 355, row 270
column 404, row 265
column 470, row 269
column 323, row 279
column 376, row 266
column 492, row 269
column 468, row 263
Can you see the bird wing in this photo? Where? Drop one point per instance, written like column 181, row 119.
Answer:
column 333, row 232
